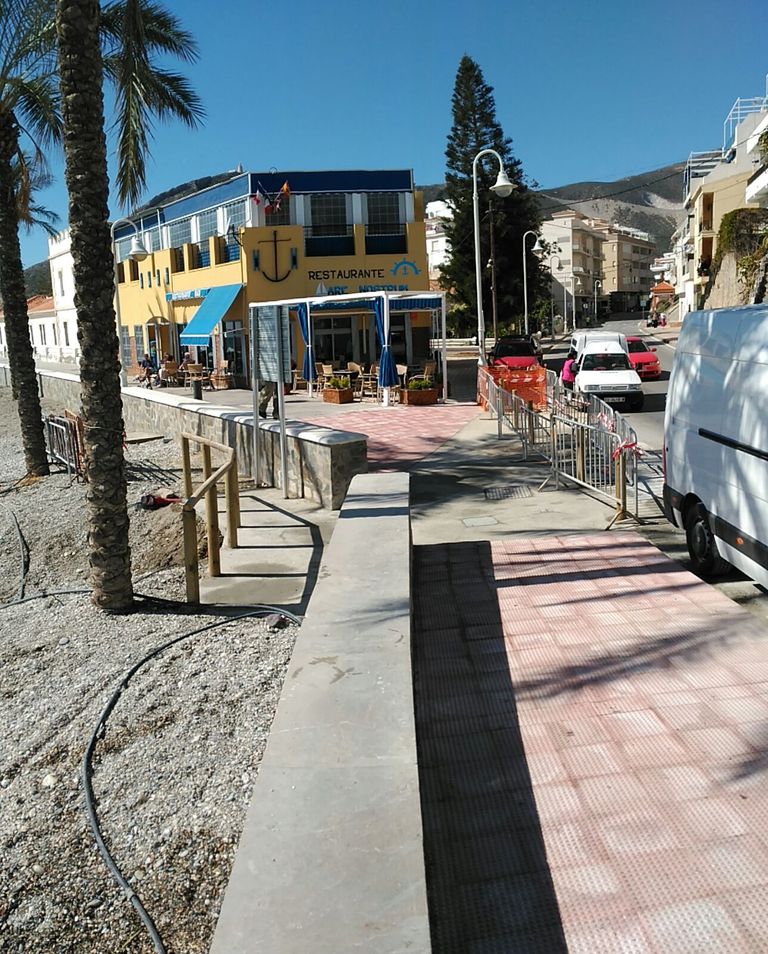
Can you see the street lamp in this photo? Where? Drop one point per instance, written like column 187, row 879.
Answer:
column 552, row 259
column 137, row 253
column 502, row 187
column 598, row 284
column 536, row 248
column 575, row 283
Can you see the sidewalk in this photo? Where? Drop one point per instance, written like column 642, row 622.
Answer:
column 592, row 724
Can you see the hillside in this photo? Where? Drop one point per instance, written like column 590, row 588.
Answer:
column 37, row 279
column 651, row 201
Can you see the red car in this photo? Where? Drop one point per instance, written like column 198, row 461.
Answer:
column 513, row 352
column 643, row 359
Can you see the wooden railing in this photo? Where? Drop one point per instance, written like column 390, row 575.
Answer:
column 226, row 472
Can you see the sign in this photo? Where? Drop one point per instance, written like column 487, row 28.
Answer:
column 186, row 295
column 267, row 321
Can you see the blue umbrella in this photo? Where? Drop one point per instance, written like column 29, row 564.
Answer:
column 309, row 372
column 387, row 371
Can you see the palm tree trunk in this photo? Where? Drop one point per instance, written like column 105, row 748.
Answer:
column 20, row 356
column 85, row 154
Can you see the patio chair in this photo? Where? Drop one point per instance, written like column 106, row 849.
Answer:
column 428, row 372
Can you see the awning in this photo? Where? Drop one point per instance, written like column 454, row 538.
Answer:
column 215, row 305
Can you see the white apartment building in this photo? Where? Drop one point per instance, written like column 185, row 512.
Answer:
column 577, row 279
column 438, row 246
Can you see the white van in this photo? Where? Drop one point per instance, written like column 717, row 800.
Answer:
column 603, row 368
column 583, row 339
column 716, row 440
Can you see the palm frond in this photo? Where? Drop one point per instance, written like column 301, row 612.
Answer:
column 161, row 31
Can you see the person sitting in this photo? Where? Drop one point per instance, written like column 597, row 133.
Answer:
column 167, row 371
column 147, row 369
column 568, row 375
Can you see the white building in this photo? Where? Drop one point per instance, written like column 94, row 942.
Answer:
column 438, row 247
column 579, row 275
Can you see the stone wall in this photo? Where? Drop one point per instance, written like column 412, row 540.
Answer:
column 321, row 461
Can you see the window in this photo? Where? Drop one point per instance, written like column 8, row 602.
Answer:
column 281, row 215
column 167, row 276
column 384, row 213
column 125, row 347
column 60, row 277
column 329, row 214
column 180, row 233
column 141, row 280
column 65, row 329
column 157, row 277
column 55, row 335
column 42, row 334
column 138, row 335
column 207, row 224
column 234, row 215
column 151, row 240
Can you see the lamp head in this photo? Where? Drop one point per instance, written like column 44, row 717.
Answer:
column 502, row 187
column 137, row 252
column 538, row 247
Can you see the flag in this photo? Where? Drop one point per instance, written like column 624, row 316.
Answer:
column 257, row 198
column 284, row 189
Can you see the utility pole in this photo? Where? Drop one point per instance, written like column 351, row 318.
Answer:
column 493, row 274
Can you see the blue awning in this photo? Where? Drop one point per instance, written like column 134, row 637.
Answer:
column 215, row 305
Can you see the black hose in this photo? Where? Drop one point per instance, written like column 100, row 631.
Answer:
column 24, row 555
column 90, row 801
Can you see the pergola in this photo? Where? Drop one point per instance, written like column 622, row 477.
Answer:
column 379, row 303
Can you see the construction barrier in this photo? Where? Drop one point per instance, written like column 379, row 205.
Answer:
column 530, row 385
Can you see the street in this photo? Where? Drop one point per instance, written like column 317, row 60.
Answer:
column 649, row 426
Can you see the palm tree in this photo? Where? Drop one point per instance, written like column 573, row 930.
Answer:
column 28, row 111
column 135, row 31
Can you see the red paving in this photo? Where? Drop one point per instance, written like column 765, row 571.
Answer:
column 400, row 435
column 593, row 727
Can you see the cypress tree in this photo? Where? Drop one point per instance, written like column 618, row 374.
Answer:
column 475, row 128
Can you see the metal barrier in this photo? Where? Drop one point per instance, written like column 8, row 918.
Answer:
column 63, row 440
column 585, row 441
column 227, row 471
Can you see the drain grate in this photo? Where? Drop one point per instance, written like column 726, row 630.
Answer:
column 511, row 490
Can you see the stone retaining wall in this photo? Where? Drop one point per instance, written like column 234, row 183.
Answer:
column 331, row 856
column 321, row 461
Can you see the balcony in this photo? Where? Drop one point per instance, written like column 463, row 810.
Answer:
column 329, row 240
column 757, row 186
column 385, row 239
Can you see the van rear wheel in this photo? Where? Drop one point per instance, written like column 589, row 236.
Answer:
column 702, row 546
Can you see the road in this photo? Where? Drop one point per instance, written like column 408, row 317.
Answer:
column 649, row 426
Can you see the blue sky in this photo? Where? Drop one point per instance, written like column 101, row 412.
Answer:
column 596, row 89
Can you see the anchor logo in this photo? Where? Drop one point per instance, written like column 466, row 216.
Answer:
column 403, row 265
column 274, row 241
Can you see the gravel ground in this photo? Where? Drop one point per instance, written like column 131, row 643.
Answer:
column 174, row 772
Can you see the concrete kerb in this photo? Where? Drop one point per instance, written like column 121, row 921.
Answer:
column 331, row 855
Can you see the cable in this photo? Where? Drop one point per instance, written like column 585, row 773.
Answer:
column 100, row 729
column 24, row 555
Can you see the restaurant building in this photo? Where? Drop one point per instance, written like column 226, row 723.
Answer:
column 260, row 237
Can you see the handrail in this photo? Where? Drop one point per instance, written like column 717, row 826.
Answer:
column 207, row 490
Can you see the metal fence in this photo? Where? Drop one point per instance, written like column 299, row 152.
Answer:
column 63, row 439
column 585, row 441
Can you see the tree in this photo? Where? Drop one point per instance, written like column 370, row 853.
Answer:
column 475, row 128
column 139, row 29
column 28, row 114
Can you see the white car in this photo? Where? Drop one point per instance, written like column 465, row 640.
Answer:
column 604, row 369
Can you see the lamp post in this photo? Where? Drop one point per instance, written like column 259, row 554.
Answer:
column 575, row 283
column 598, row 284
column 502, row 187
column 137, row 253
column 536, row 248
column 552, row 259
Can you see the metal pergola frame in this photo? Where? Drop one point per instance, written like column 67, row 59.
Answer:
column 387, row 297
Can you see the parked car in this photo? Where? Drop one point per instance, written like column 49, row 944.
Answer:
column 716, row 440
column 643, row 359
column 603, row 369
column 514, row 351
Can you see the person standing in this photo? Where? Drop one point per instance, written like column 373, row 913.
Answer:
column 568, row 375
column 268, row 391
column 148, row 368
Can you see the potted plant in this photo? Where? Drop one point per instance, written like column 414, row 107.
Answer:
column 337, row 391
column 420, row 391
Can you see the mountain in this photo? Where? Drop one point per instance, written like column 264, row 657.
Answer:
column 37, row 279
column 651, row 201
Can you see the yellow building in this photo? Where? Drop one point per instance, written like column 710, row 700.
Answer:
column 627, row 258
column 260, row 237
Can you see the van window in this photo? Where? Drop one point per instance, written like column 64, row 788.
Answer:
column 605, row 362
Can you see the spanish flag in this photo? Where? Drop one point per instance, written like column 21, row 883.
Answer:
column 284, row 189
